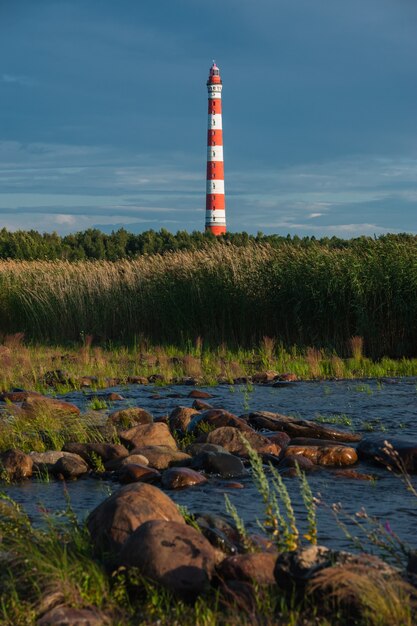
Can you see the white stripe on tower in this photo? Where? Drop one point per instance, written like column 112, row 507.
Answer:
column 215, row 202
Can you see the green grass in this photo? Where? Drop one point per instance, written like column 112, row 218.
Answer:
column 304, row 296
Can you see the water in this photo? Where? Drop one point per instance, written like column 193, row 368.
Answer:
column 388, row 407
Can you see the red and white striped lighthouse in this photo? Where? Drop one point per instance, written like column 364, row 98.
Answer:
column 215, row 204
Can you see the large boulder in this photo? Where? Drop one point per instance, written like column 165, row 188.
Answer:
column 114, row 520
column 181, row 477
column 148, row 435
column 162, row 457
column 325, row 455
column 234, row 441
column 174, row 555
column 389, row 451
column 298, row 427
column 18, row 395
column 15, row 465
column 127, row 418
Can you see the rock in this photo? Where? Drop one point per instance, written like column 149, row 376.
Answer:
column 68, row 616
column 264, row 377
column 219, row 532
column 231, row 439
column 148, row 435
column 257, row 567
column 114, row 520
column 327, row 455
column 309, row 441
column 114, row 397
column 352, row 474
column 156, row 378
column 116, row 464
column 298, row 427
column 181, row 477
column 233, row 485
column 199, row 405
column 291, row 461
column 44, row 461
column 180, row 417
column 133, row 473
column 162, row 457
column 128, row 418
column 218, row 418
column 281, row 438
column 222, row 463
column 137, row 380
column 287, row 377
column 88, row 381
column 56, row 377
column 113, row 382
column 202, row 395
column 374, row 448
column 106, row 451
column 15, row 465
column 294, row 570
column 18, row 395
column 70, row 467
column 197, row 448
column 176, row 556
column 42, row 404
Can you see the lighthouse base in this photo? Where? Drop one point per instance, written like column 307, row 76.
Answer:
column 216, row 230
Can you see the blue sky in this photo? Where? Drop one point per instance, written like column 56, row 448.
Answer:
column 103, row 114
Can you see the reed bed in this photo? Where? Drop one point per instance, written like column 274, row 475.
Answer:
column 313, row 296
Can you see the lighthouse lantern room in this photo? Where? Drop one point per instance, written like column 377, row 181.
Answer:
column 215, row 201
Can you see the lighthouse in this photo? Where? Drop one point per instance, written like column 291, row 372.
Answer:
column 215, row 204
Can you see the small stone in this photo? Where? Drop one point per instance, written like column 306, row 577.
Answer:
column 133, row 473
column 180, row 418
column 114, row 397
column 148, row 435
column 222, row 463
column 197, row 393
column 128, row 418
column 137, row 380
column 231, row 439
column 162, row 457
column 199, row 405
column 327, row 455
column 181, row 477
column 70, row 467
column 15, row 465
column 37, row 404
column 256, row 567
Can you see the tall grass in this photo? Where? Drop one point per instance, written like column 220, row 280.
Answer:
column 315, row 297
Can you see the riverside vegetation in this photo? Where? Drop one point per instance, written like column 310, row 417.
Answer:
column 301, row 296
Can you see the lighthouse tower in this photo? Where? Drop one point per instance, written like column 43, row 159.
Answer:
column 215, row 204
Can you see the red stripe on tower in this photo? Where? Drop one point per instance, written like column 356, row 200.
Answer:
column 215, row 203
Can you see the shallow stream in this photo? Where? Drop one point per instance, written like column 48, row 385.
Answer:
column 386, row 407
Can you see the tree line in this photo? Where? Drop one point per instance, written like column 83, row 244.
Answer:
column 121, row 244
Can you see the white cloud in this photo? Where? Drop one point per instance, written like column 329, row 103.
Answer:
column 26, row 81
column 312, row 215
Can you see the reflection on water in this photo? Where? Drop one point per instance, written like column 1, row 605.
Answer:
column 389, row 407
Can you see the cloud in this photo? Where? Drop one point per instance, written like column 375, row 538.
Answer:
column 25, row 81
column 312, row 215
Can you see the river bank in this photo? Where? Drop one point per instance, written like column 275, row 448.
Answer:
column 335, row 410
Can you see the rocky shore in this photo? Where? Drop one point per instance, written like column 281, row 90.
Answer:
column 139, row 528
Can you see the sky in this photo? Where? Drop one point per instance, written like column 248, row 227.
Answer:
column 103, row 114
